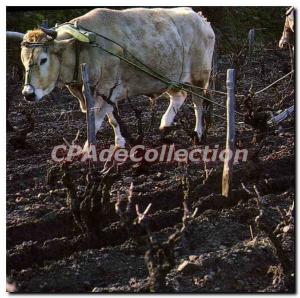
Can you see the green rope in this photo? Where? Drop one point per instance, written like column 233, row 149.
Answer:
column 146, row 69
column 162, row 78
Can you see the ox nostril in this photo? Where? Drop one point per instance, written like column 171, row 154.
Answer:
column 27, row 90
column 29, row 97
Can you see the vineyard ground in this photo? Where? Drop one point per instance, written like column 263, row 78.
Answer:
column 232, row 254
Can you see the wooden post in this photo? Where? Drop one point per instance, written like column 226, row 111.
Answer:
column 230, row 138
column 214, row 70
column 90, row 105
column 251, row 38
column 283, row 115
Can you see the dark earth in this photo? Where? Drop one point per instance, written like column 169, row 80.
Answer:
column 244, row 243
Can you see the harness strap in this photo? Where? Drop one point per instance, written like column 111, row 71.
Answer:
column 76, row 69
column 27, row 76
column 29, row 70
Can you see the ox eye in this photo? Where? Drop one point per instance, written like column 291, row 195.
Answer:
column 43, row 61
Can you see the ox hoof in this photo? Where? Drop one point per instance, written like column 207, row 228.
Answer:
column 164, row 134
column 165, row 130
column 120, row 143
column 86, row 148
column 199, row 140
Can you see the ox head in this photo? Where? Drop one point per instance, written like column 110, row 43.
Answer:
column 41, row 55
column 288, row 30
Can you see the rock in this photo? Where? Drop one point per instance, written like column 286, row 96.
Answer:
column 193, row 257
column 188, row 267
column 159, row 174
column 43, row 285
column 41, row 196
column 127, row 180
column 207, row 277
column 26, row 273
column 20, row 200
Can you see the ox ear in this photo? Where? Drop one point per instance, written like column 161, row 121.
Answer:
column 61, row 44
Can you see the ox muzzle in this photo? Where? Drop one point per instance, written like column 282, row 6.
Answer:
column 29, row 92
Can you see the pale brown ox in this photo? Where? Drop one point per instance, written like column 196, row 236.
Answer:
column 177, row 42
column 288, row 29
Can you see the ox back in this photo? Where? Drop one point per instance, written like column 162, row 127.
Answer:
column 176, row 42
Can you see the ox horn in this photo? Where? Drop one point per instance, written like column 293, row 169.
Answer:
column 14, row 35
column 50, row 32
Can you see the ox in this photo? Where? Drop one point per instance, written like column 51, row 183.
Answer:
column 177, row 42
column 288, row 30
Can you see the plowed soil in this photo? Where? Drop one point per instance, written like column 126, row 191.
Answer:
column 47, row 252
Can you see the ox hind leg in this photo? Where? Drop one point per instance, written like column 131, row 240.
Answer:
column 177, row 98
column 202, row 110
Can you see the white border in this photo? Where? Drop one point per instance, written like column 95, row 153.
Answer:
column 152, row 3
column 94, row 3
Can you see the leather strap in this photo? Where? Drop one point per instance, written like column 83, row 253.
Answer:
column 76, row 67
column 77, row 54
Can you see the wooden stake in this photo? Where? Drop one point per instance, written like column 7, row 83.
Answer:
column 90, row 105
column 283, row 115
column 251, row 38
column 230, row 139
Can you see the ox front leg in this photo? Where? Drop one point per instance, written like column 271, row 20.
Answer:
column 100, row 113
column 119, row 140
column 176, row 101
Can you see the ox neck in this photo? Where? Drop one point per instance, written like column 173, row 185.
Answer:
column 69, row 66
column 287, row 33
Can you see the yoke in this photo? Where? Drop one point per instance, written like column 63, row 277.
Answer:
column 77, row 32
